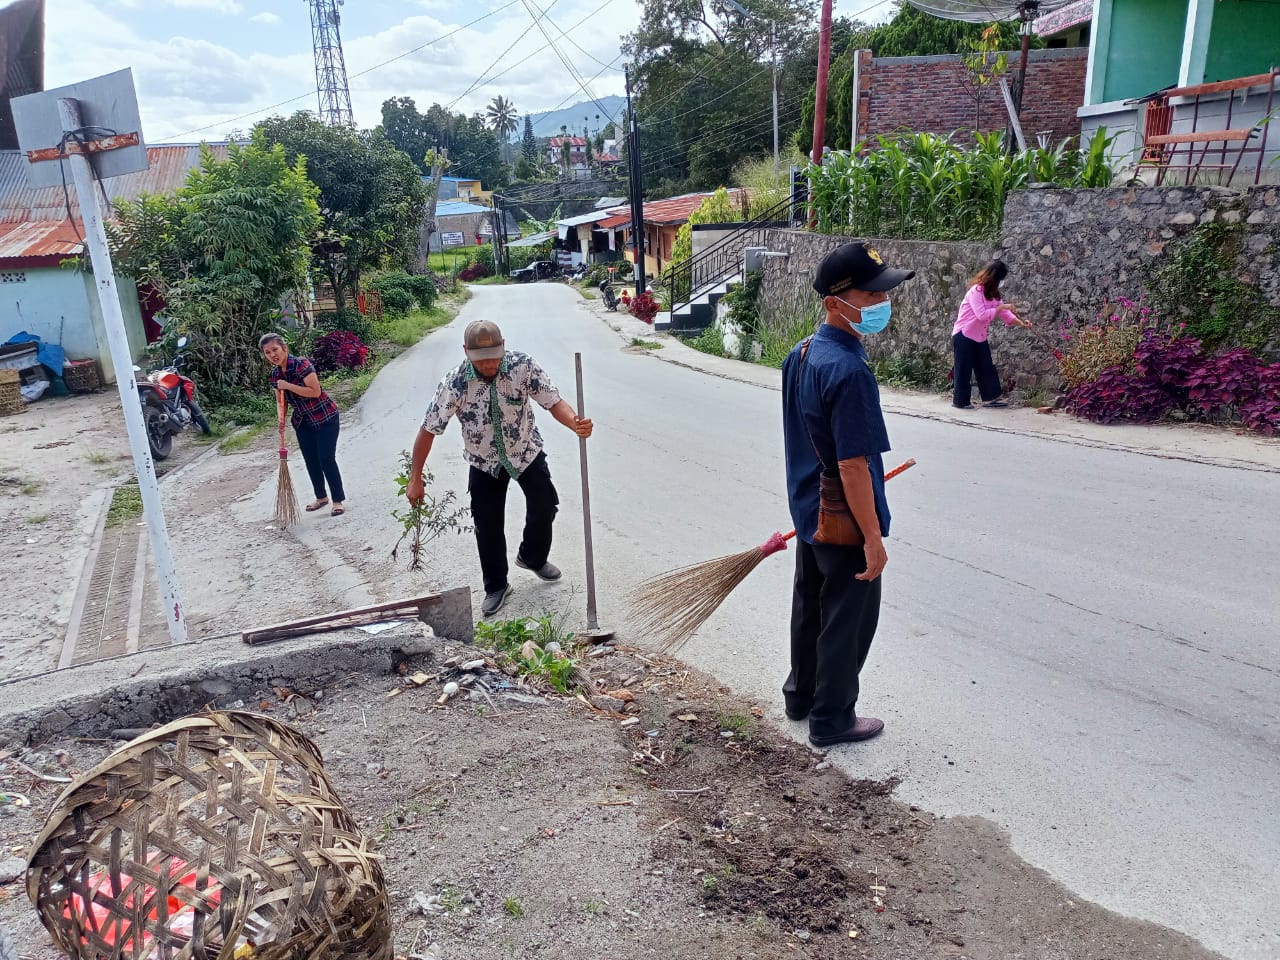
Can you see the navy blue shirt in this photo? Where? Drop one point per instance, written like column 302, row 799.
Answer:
column 830, row 401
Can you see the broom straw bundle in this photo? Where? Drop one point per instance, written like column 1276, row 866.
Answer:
column 673, row 606
column 286, row 499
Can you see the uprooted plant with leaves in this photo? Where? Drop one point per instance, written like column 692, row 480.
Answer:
column 426, row 521
column 539, row 648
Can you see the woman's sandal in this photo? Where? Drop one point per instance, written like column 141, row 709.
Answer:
column 338, row 511
column 315, row 505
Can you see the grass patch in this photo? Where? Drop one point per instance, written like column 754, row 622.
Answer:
column 513, row 907
column 38, row 518
column 29, row 489
column 526, row 643
column 405, row 331
column 97, row 458
column 126, row 505
column 710, row 341
column 645, row 344
column 239, row 441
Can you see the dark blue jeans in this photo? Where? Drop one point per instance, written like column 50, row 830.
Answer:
column 972, row 357
column 319, row 446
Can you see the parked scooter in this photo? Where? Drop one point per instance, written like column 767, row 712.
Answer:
column 169, row 404
column 610, row 298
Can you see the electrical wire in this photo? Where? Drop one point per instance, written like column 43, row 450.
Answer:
column 568, row 64
column 367, row 70
column 498, row 59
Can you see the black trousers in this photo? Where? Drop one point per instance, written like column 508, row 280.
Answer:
column 489, row 512
column 973, row 357
column 319, row 446
column 833, row 621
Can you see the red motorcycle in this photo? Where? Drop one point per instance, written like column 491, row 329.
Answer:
column 169, row 404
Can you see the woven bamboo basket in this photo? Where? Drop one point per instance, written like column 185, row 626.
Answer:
column 81, row 376
column 11, row 393
column 217, row 837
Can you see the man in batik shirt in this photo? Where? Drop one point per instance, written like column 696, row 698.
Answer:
column 489, row 394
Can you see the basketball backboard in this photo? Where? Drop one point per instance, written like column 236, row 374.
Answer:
column 108, row 102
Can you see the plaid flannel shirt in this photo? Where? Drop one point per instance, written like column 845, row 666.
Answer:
column 313, row 411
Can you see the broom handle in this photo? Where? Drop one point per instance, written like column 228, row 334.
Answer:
column 905, row 465
column 589, row 553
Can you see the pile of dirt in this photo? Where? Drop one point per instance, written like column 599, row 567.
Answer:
column 660, row 818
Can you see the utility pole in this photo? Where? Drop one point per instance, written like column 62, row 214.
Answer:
column 820, row 99
column 773, row 42
column 637, row 190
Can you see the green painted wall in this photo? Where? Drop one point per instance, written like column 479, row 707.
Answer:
column 1145, row 46
column 1245, row 39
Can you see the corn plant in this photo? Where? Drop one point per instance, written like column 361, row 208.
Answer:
column 928, row 187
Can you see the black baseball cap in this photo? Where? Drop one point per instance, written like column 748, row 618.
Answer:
column 856, row 266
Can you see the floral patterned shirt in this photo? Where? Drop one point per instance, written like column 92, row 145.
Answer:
column 472, row 399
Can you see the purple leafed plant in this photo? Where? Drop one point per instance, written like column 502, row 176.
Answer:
column 1119, row 395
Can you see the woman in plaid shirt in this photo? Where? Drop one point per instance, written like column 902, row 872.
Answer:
column 315, row 419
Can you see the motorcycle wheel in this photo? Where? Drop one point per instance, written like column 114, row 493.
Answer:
column 158, row 438
column 198, row 416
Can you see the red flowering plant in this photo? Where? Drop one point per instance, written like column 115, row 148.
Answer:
column 645, row 307
column 339, row 350
column 1163, row 372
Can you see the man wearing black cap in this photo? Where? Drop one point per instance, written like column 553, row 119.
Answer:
column 835, row 434
column 489, row 393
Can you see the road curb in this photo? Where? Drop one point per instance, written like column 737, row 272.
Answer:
column 85, row 578
column 95, row 699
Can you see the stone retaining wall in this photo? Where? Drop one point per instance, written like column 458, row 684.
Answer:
column 1069, row 252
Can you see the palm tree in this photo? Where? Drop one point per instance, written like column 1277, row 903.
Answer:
column 502, row 116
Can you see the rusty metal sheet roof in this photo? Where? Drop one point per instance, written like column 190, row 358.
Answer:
column 169, row 165
column 39, row 242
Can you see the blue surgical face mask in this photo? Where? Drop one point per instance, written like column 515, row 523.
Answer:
column 874, row 318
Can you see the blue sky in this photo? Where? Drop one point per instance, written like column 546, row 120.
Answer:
column 200, row 65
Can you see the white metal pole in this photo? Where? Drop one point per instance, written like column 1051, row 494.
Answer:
column 104, row 274
column 857, row 99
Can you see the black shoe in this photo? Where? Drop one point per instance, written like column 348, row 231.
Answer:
column 493, row 601
column 864, row 728
column 996, row 403
column 795, row 714
column 548, row 571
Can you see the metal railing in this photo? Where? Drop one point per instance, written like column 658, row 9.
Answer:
column 691, row 278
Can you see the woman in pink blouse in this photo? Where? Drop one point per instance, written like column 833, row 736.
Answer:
column 981, row 305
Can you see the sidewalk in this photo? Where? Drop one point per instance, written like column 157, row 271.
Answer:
column 1200, row 443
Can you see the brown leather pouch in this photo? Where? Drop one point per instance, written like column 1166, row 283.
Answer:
column 837, row 525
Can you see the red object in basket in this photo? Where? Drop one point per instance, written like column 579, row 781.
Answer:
column 99, row 918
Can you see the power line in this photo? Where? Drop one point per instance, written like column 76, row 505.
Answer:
column 568, row 65
column 498, row 59
column 663, row 152
column 701, row 106
column 376, row 66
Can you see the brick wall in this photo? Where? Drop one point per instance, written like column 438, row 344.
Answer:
column 928, row 94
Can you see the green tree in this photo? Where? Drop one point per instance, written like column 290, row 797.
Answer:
column 474, row 149
column 719, row 207
column 372, row 197
column 223, row 251
column 529, row 143
column 501, row 115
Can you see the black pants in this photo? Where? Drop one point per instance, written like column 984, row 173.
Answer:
column 833, row 621
column 973, row 357
column 489, row 512
column 319, row 446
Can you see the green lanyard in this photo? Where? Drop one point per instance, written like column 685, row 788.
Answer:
column 495, row 411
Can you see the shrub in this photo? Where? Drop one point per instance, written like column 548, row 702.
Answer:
column 474, row 272
column 397, row 300
column 339, row 350
column 1117, row 395
column 1261, row 411
column 645, row 307
column 481, row 255
column 1107, row 343
column 350, row 320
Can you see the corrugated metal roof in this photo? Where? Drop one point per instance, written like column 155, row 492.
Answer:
column 169, row 165
column 39, row 243
column 582, row 218
column 669, row 212
column 533, row 240
column 459, row 209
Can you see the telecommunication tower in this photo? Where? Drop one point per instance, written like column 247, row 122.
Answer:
column 331, row 70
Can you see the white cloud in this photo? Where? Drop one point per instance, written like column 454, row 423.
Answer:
column 186, row 83
column 271, row 19
column 229, row 7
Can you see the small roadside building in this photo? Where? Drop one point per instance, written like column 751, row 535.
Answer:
column 460, row 224
column 46, row 287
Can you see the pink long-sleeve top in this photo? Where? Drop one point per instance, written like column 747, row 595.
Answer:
column 977, row 312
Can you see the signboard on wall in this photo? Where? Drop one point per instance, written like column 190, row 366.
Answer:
column 451, row 239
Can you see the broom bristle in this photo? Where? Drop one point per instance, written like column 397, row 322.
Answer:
column 671, row 607
column 286, row 499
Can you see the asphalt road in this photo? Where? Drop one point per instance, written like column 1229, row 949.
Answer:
column 1081, row 644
